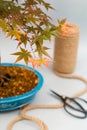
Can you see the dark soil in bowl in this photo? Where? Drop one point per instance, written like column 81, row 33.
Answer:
column 16, row 80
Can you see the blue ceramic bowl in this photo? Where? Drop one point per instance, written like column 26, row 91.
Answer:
column 12, row 103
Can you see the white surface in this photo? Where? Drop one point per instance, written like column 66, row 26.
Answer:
column 54, row 118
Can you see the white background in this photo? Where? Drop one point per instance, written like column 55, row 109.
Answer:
column 74, row 11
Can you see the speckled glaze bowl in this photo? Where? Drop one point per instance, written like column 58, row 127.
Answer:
column 12, row 103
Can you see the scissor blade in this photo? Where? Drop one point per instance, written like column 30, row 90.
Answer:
column 56, row 94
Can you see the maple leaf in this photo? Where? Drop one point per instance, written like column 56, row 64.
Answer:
column 34, row 62
column 23, row 40
column 46, row 5
column 48, row 32
column 3, row 25
column 39, row 62
column 31, row 29
column 61, row 23
column 15, row 33
column 23, row 54
column 45, row 52
column 46, row 61
column 42, row 51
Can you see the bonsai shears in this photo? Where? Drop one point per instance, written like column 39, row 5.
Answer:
column 76, row 107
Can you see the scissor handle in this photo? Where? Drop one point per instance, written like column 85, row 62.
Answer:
column 78, row 104
column 67, row 104
column 80, row 109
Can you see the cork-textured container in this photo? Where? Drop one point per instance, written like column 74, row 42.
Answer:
column 65, row 50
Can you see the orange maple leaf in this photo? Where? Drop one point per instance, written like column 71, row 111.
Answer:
column 40, row 62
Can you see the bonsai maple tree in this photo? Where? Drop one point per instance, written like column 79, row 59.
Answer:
column 30, row 26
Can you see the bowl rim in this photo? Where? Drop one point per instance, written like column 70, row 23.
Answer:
column 29, row 93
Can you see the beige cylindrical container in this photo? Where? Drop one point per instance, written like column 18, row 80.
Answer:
column 65, row 49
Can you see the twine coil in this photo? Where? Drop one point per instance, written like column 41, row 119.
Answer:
column 65, row 50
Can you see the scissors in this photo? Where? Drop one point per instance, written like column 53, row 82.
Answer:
column 73, row 106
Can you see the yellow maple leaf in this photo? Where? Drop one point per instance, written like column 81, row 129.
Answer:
column 15, row 33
